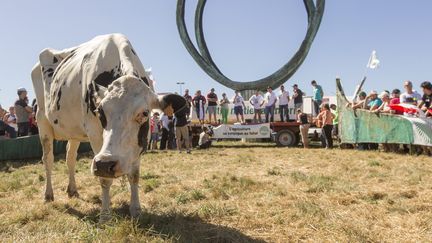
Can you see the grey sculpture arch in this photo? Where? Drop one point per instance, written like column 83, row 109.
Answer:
column 203, row 58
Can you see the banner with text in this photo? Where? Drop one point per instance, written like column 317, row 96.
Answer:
column 242, row 131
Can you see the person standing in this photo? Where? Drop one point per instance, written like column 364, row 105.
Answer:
column 270, row 98
column 410, row 96
column 182, row 130
column 297, row 97
column 283, row 104
column 154, row 130
column 257, row 101
column 199, row 102
column 22, row 111
column 326, row 119
column 335, row 112
column 224, row 104
column 317, row 97
column 238, row 106
column 304, row 127
column 212, row 100
column 165, row 131
column 188, row 98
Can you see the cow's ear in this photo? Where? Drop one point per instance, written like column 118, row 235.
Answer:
column 49, row 62
column 48, row 57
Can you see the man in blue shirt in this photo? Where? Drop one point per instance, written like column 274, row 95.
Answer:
column 317, row 98
column 372, row 101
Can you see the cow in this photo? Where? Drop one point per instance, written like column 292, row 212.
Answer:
column 97, row 92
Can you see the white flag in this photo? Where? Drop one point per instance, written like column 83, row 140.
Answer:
column 373, row 63
column 150, row 75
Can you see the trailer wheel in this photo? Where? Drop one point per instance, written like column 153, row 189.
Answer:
column 286, row 138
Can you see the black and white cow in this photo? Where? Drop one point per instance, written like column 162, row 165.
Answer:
column 97, row 92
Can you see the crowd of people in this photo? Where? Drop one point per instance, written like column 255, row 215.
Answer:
column 171, row 131
column 265, row 104
column 262, row 104
column 409, row 103
column 19, row 120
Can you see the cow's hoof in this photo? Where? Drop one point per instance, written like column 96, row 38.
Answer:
column 49, row 197
column 104, row 218
column 72, row 192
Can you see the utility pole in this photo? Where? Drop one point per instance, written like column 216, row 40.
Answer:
column 180, row 84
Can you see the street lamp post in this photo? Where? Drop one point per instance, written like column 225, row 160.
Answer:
column 180, row 84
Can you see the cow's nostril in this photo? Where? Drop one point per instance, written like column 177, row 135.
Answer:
column 105, row 168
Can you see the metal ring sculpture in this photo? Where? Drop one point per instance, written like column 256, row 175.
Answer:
column 204, row 60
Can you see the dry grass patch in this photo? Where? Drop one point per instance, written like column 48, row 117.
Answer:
column 234, row 192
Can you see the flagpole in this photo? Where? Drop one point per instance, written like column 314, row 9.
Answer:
column 372, row 59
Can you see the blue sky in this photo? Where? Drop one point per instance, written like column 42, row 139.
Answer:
column 249, row 39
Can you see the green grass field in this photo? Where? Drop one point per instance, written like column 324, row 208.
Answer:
column 233, row 192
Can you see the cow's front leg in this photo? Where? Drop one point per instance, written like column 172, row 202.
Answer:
column 133, row 176
column 106, row 200
column 71, row 154
column 48, row 160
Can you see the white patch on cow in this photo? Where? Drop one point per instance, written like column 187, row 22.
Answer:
column 68, row 92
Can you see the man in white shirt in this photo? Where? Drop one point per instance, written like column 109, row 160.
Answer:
column 283, row 103
column 165, row 131
column 270, row 98
column 411, row 96
column 238, row 102
column 257, row 101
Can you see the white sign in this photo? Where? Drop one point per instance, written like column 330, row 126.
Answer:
column 242, row 131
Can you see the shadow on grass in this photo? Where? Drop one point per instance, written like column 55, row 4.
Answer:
column 9, row 165
column 183, row 228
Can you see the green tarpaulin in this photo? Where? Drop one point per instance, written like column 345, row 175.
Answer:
column 30, row 148
column 362, row 126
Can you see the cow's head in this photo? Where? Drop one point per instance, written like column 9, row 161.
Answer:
column 124, row 113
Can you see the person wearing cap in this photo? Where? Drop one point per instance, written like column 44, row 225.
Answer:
column 22, row 112
column 270, row 98
column 238, row 106
column 257, row 101
column 212, row 100
column 297, row 97
column 410, row 96
column 224, row 104
column 372, row 101
column 384, row 107
column 426, row 101
column 283, row 104
column 317, row 97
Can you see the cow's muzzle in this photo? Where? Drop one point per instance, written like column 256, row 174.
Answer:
column 106, row 169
